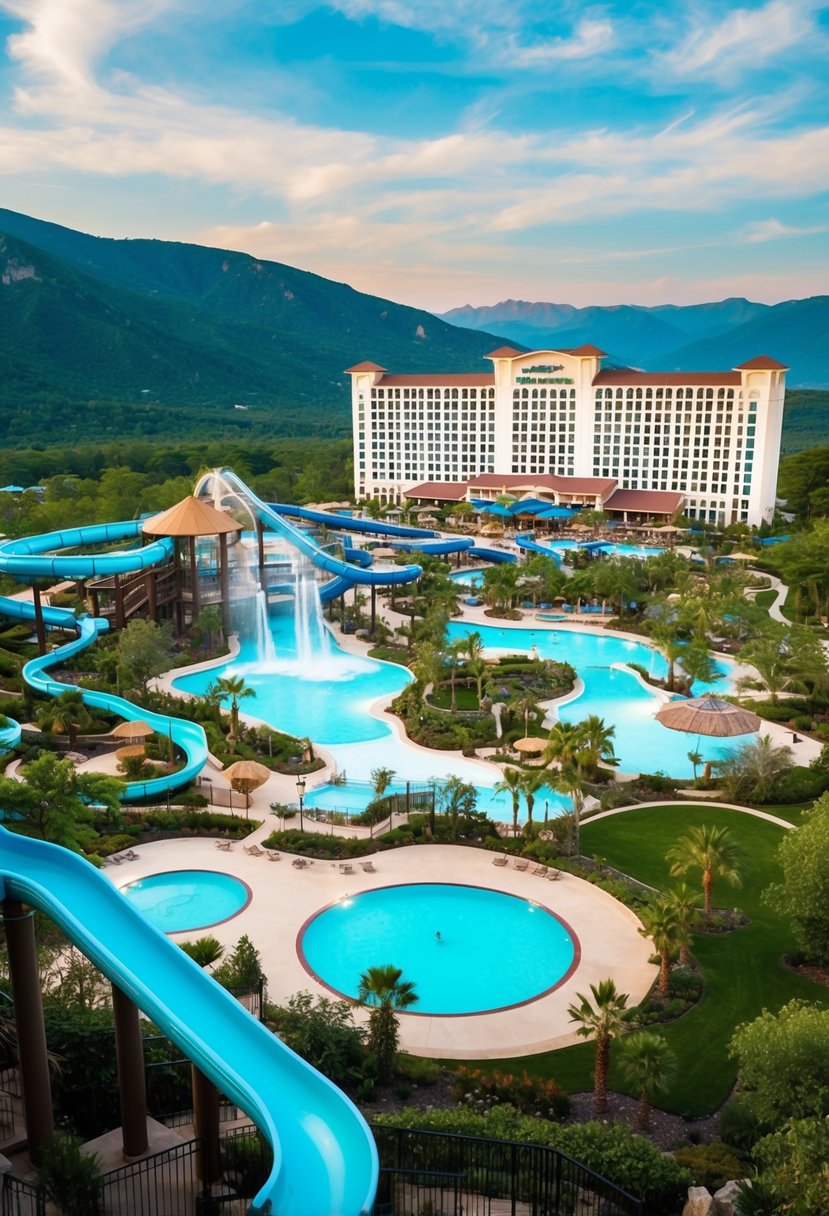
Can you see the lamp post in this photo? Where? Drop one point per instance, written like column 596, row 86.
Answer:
column 300, row 789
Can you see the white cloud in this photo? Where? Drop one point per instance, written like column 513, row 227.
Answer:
column 773, row 230
column 744, row 40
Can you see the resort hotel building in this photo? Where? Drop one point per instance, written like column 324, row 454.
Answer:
column 635, row 444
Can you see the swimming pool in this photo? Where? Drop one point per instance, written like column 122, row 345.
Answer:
column 469, row 578
column 466, row 949
column 184, row 900
column 611, row 549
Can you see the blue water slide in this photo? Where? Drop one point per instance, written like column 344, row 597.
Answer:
column 496, row 556
column 302, row 541
column 23, row 559
column 527, row 542
column 357, row 557
column 325, row 1160
column 446, row 544
column 337, row 587
column 347, row 523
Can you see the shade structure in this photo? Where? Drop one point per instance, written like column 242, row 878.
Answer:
column 245, row 776
column 740, row 557
column 531, row 744
column 191, row 517
column 131, row 749
column 708, row 716
column 132, row 730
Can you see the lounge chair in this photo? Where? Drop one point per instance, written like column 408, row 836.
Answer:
column 224, row 845
column 500, row 861
column 273, row 855
column 346, row 867
column 299, row 863
column 553, row 875
column 253, row 850
column 112, row 860
column 540, row 870
column 130, row 855
column 368, row 866
column 521, row 863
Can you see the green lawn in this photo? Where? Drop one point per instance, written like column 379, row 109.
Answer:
column 742, row 969
column 764, row 599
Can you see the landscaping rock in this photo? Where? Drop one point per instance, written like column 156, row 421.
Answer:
column 725, row 1199
column 700, row 1202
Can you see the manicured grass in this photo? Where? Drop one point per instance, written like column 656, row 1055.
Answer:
column 792, row 812
column 742, row 969
column 764, row 599
column 465, row 698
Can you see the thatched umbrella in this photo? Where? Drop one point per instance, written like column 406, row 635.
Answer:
column 741, row 557
column 708, row 716
column 245, row 776
column 139, row 729
column 131, row 749
column 531, row 744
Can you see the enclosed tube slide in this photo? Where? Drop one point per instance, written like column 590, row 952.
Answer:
column 24, row 560
column 325, row 1160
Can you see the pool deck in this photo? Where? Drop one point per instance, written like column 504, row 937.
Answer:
column 284, row 897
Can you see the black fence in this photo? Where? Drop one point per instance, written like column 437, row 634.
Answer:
column 447, row 1175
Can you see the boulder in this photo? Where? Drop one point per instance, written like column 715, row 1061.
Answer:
column 725, row 1199
column 700, row 1202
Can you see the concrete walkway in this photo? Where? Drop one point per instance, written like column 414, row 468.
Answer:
column 284, row 898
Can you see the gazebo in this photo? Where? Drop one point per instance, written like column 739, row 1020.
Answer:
column 188, row 521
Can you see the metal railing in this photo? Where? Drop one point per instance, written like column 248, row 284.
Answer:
column 524, row 1179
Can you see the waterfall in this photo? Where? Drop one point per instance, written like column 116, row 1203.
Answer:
column 265, row 651
column 312, row 637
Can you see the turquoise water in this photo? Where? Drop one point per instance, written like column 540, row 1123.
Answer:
column 642, row 744
column 354, row 797
column 612, row 550
column 467, row 970
column 187, row 899
column 469, row 578
column 327, row 701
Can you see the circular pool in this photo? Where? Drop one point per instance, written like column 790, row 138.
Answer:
column 183, row 900
column 466, row 949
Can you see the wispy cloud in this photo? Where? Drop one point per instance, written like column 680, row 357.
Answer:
column 773, row 230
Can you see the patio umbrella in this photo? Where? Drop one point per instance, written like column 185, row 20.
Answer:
column 132, row 730
column 741, row 557
column 708, row 716
column 132, row 749
column 245, row 776
column 530, row 744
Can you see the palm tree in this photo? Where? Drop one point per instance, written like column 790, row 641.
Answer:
column 511, row 783
column 565, row 741
column 648, row 1064
column 696, row 759
column 233, row 689
column 526, row 702
column 659, row 923
column 473, row 646
column 685, row 904
column 204, row 950
column 596, row 744
column 712, row 851
column 568, row 781
column 602, row 1020
column 428, row 665
column 66, row 715
column 754, row 767
column 478, row 669
column 453, row 655
column 385, row 993
column 531, row 783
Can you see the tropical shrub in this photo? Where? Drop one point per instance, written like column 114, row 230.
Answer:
column 528, row 1095
column 710, row 1165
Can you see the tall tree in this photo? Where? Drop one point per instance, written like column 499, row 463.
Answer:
column 714, row 852
column 510, row 784
column 234, row 690
column 803, row 892
column 55, row 801
column 601, row 1020
column 145, row 649
column 65, row 714
column 660, row 924
column 685, row 905
column 384, row 992
column 596, row 745
column 531, row 783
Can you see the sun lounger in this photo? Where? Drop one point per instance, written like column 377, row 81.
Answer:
column 224, row 845
column 368, row 866
column 346, row 868
column 553, row 875
column 273, row 855
column 253, row 850
column 521, row 863
column 540, row 870
column 499, row 861
column 299, row 863
column 129, row 855
column 112, row 860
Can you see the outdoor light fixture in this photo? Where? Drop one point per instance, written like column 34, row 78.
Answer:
column 300, row 790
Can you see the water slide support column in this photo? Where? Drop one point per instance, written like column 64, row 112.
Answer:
column 179, row 608
column 373, row 607
column 40, row 628
column 260, row 545
column 31, row 1032
column 132, row 1085
column 224, row 582
column 194, row 580
column 206, row 1127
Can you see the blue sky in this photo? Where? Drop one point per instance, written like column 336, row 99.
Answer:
column 441, row 152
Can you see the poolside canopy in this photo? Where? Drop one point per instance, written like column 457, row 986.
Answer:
column 531, row 745
column 708, row 716
column 191, row 517
column 245, row 776
column 132, row 730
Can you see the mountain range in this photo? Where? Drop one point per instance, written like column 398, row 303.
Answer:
column 103, row 339
column 697, row 337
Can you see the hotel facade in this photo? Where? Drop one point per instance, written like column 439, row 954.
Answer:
column 712, row 438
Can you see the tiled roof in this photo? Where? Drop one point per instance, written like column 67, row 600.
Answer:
column 763, row 363
column 450, row 491
column 513, row 483
column 364, row 367
column 658, row 502
column 504, row 352
column 629, row 376
column 582, row 350
column 441, row 380
column 190, row 517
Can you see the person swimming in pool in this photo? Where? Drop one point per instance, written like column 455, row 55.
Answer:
column 438, row 937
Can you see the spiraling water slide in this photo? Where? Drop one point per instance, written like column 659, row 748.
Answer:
column 35, row 558
column 325, row 1160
